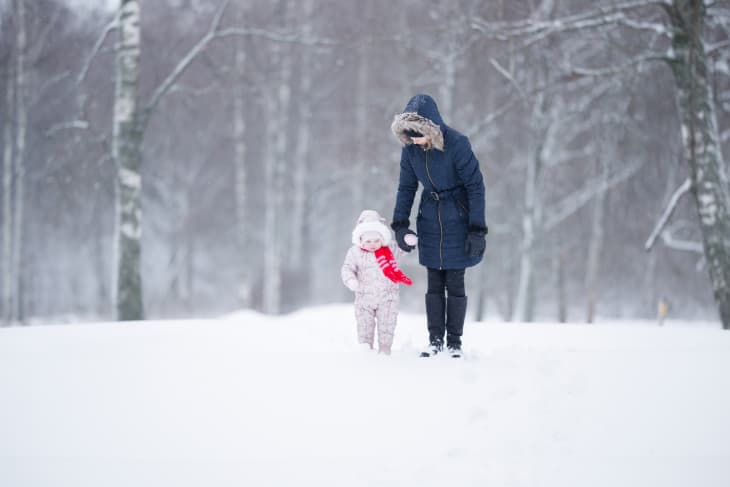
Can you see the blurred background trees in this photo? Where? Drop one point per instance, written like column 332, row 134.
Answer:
column 264, row 149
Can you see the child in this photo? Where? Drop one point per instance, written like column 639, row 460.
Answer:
column 370, row 271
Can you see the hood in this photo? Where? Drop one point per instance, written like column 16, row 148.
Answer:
column 371, row 221
column 422, row 115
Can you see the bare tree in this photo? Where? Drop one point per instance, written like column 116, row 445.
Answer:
column 302, row 168
column 689, row 64
column 14, row 171
column 241, row 173
column 708, row 175
column 131, row 122
column 127, row 152
column 550, row 97
column 8, row 282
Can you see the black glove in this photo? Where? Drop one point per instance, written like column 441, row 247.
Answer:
column 401, row 230
column 476, row 241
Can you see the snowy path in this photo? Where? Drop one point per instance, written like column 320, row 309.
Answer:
column 252, row 400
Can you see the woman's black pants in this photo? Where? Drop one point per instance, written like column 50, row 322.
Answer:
column 446, row 306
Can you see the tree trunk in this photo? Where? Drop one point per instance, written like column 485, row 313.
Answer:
column 449, row 62
column 7, row 221
column 595, row 246
column 126, row 151
column 241, row 176
column 21, row 116
column 480, row 293
column 559, row 263
column 524, row 306
column 527, row 248
column 277, row 125
column 101, row 308
column 651, row 288
column 702, row 150
column 448, row 87
column 304, row 130
column 406, row 80
column 188, row 284
column 363, row 101
column 272, row 270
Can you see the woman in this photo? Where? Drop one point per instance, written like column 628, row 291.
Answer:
column 451, row 225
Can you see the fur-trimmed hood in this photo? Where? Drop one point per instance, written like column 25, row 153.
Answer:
column 421, row 115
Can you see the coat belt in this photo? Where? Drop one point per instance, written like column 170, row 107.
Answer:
column 443, row 195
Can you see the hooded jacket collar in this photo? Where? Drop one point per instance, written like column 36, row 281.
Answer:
column 421, row 115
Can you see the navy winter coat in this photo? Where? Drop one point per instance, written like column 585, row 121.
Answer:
column 452, row 202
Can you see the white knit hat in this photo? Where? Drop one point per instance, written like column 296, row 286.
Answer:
column 371, row 221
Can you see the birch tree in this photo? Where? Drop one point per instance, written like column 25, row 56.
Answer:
column 126, row 152
column 684, row 27
column 130, row 122
column 708, row 174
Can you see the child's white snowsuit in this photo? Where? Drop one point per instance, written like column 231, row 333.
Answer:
column 376, row 297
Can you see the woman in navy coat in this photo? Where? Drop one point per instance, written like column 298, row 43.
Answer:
column 450, row 224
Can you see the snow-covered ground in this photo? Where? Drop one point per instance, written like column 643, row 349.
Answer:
column 260, row 401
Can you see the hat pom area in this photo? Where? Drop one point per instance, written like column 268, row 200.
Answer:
column 370, row 215
column 371, row 226
column 371, row 221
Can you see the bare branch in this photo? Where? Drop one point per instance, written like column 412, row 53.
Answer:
column 569, row 156
column 725, row 136
column 683, row 188
column 654, row 27
column 506, row 107
column 717, row 47
column 111, row 26
column 183, row 64
column 293, row 37
column 600, row 16
column 41, row 38
column 194, row 91
column 678, row 244
column 620, row 69
column 577, row 200
column 74, row 124
column 215, row 33
column 46, row 85
column 723, row 10
column 510, row 78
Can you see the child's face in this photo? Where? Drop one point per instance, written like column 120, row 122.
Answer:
column 371, row 243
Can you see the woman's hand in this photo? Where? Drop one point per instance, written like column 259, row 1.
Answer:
column 476, row 241
column 411, row 239
column 401, row 231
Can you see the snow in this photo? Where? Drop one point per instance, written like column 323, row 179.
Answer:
column 277, row 401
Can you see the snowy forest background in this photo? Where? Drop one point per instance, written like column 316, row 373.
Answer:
column 266, row 132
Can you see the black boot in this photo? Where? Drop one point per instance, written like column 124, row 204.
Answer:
column 436, row 318
column 455, row 315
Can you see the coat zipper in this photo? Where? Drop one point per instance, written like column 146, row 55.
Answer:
column 438, row 210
